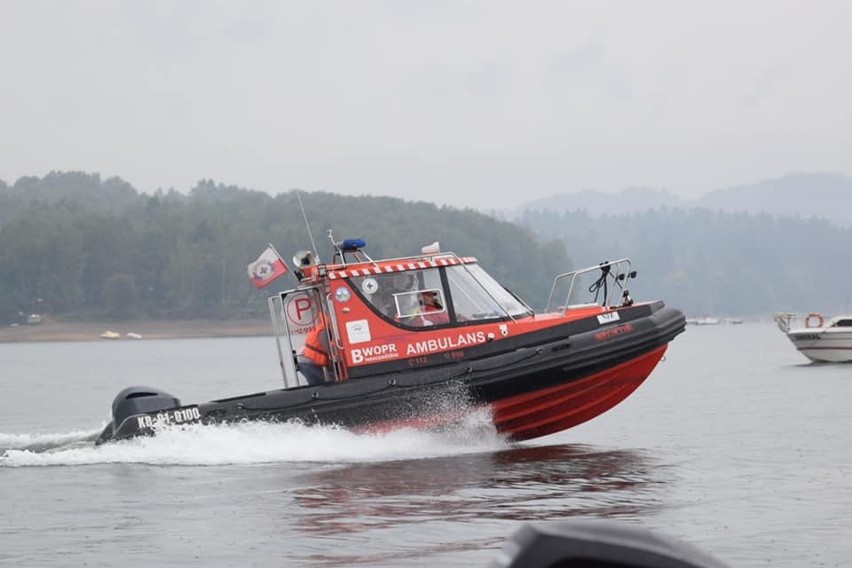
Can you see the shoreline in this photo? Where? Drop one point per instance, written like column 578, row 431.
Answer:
column 49, row 331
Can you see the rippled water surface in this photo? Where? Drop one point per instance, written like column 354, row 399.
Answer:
column 735, row 444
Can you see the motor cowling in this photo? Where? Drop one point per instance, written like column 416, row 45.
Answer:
column 140, row 400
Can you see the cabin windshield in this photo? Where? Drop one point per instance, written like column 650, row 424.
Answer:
column 476, row 295
column 417, row 298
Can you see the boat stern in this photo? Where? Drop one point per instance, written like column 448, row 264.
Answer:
column 137, row 411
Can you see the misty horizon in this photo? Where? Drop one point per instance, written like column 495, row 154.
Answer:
column 448, row 102
column 833, row 182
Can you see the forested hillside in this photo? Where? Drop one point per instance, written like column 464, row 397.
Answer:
column 707, row 262
column 74, row 245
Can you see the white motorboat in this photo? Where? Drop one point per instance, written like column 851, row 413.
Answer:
column 820, row 339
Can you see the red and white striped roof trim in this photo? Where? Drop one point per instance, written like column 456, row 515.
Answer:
column 398, row 266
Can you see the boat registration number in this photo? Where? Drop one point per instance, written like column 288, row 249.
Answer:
column 806, row 336
column 183, row 415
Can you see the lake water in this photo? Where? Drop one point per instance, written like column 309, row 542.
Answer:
column 735, row 444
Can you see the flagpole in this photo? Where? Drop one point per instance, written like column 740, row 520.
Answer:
column 275, row 250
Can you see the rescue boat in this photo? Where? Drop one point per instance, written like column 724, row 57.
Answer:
column 392, row 363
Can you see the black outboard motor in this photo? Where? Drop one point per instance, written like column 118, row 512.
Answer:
column 136, row 400
column 139, row 400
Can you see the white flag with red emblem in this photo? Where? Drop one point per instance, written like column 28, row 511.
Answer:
column 266, row 268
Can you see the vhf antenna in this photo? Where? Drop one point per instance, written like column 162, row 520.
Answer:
column 307, row 226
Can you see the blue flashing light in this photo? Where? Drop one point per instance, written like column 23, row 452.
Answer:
column 351, row 245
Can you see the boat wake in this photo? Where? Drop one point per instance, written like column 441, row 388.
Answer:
column 38, row 443
column 252, row 443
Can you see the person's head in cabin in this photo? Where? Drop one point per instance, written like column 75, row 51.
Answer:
column 430, row 301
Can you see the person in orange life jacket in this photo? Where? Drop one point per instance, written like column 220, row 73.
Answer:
column 431, row 310
column 314, row 358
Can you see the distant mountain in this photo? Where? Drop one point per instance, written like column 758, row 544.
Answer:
column 801, row 195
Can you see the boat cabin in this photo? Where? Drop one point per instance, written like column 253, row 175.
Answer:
column 393, row 315
column 842, row 322
column 398, row 312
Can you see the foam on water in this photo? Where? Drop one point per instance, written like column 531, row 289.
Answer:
column 45, row 442
column 251, row 443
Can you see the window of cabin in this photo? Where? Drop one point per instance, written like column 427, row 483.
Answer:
column 422, row 308
column 477, row 296
column 398, row 296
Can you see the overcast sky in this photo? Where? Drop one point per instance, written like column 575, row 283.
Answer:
column 468, row 103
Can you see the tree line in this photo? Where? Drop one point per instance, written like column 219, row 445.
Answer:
column 708, row 262
column 76, row 246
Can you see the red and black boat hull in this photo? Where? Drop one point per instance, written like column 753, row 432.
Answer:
column 534, row 384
